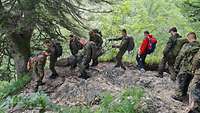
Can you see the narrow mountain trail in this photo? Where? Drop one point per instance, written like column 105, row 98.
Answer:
column 70, row 90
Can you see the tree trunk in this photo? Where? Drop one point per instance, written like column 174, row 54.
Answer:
column 20, row 50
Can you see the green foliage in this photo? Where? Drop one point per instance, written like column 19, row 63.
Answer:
column 191, row 9
column 156, row 16
column 36, row 100
column 12, row 87
column 123, row 103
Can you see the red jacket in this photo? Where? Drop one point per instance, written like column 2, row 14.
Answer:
column 145, row 43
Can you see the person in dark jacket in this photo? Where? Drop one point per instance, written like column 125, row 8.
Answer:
column 51, row 49
column 168, row 55
column 126, row 42
column 96, row 37
column 74, row 44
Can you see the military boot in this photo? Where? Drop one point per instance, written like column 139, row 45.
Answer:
column 84, row 76
column 179, row 98
column 53, row 76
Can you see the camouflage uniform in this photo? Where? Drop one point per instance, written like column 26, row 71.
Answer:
column 96, row 49
column 122, row 48
column 184, row 67
column 169, row 56
column 75, row 46
column 195, row 84
column 38, row 68
column 53, row 59
column 84, row 58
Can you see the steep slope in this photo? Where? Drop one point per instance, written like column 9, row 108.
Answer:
column 70, row 90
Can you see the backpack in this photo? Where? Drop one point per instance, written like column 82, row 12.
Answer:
column 58, row 48
column 152, row 45
column 131, row 44
column 177, row 47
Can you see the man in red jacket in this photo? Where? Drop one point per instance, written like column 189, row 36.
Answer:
column 143, row 51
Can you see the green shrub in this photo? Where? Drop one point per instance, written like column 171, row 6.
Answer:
column 122, row 103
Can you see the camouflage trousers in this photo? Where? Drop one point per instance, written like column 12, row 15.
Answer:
column 84, row 57
column 183, row 82
column 171, row 69
column 53, row 60
column 39, row 71
column 119, row 56
column 194, row 95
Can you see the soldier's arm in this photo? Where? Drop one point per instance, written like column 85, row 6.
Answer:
column 196, row 62
column 168, row 47
column 100, row 41
column 115, row 39
column 180, row 57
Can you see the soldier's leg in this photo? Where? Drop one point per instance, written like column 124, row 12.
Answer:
column 172, row 72
column 84, row 64
column 161, row 67
column 41, row 74
column 183, row 81
column 119, row 58
column 53, row 61
column 194, row 103
column 95, row 56
column 73, row 61
column 36, row 77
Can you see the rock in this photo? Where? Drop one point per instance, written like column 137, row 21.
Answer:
column 70, row 90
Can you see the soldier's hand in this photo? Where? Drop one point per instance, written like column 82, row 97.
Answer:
column 109, row 39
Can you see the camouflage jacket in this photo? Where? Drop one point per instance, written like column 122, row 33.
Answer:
column 97, row 39
column 170, row 45
column 75, row 45
column 184, row 59
column 52, row 51
column 125, row 42
column 38, row 60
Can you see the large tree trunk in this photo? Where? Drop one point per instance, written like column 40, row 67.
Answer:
column 20, row 50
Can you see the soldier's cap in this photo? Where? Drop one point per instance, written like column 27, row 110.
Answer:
column 124, row 30
column 71, row 35
column 174, row 29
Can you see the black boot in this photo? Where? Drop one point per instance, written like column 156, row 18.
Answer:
column 123, row 67
column 160, row 75
column 40, row 83
column 94, row 63
column 84, row 76
column 178, row 98
column 53, row 76
column 117, row 65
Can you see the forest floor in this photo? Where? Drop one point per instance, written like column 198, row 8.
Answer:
column 70, row 90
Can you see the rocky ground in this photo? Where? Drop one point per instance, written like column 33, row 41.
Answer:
column 70, row 90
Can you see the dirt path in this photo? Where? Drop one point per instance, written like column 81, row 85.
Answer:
column 70, row 90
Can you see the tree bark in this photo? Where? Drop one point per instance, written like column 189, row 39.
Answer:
column 20, row 50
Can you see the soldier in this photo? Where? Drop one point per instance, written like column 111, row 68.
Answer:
column 96, row 37
column 38, row 63
column 75, row 45
column 127, row 44
column 184, row 66
column 170, row 53
column 84, row 57
column 52, row 50
column 194, row 95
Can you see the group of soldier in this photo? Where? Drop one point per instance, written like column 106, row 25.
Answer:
column 183, row 58
column 182, row 55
